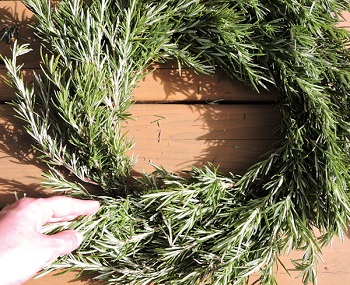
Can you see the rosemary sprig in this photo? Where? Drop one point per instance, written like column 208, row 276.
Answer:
column 9, row 33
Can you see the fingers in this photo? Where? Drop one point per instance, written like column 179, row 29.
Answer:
column 63, row 243
column 34, row 213
column 54, row 209
column 22, row 242
column 60, row 208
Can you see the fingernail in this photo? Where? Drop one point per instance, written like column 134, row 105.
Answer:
column 96, row 205
column 79, row 237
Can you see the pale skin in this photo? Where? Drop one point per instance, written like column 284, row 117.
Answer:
column 24, row 250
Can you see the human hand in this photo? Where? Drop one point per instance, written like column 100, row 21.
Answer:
column 24, row 250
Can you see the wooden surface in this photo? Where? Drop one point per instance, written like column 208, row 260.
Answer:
column 177, row 124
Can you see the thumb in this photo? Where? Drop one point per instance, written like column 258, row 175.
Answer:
column 65, row 242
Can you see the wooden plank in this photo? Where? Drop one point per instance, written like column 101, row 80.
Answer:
column 345, row 20
column 333, row 270
column 175, row 137
column 204, row 122
column 20, row 172
column 19, row 168
column 15, row 13
column 234, row 156
column 169, row 85
column 67, row 278
column 166, row 85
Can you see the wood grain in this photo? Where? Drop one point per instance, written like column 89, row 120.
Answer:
column 166, row 84
column 173, row 135
column 15, row 13
column 20, row 170
column 177, row 136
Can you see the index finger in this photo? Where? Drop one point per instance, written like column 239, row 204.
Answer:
column 60, row 208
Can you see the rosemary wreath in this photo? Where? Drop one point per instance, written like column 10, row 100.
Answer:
column 207, row 228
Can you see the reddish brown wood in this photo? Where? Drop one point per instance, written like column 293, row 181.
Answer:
column 15, row 13
column 172, row 136
column 20, row 170
column 168, row 85
column 7, row 93
column 175, row 136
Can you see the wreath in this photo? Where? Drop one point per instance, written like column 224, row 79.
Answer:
column 205, row 227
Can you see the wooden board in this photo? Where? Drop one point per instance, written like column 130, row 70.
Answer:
column 173, row 136
column 15, row 13
column 166, row 84
column 176, row 136
column 20, row 170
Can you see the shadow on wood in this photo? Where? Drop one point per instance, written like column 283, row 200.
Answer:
column 14, row 13
column 167, row 85
column 20, row 167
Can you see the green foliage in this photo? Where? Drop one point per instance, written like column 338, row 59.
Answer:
column 207, row 228
column 8, row 33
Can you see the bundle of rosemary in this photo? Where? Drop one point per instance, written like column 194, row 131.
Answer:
column 207, row 228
